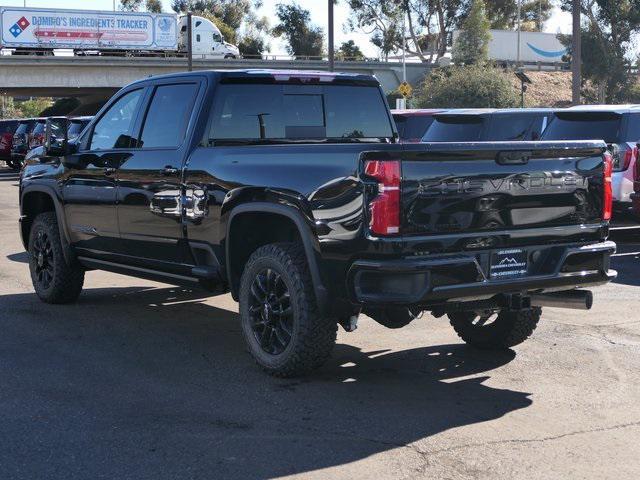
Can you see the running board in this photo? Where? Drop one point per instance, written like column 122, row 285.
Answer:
column 140, row 272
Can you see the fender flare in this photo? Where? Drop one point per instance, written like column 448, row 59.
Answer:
column 311, row 248
column 59, row 209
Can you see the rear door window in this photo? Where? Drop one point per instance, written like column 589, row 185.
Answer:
column 605, row 126
column 292, row 112
column 455, row 128
column 168, row 116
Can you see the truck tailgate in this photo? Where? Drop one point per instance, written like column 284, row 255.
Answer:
column 487, row 187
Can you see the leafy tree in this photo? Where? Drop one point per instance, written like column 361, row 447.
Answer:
column 472, row 44
column 154, row 6
column 35, row 106
column 130, row 5
column 430, row 23
column 474, row 86
column 8, row 108
column 503, row 14
column 253, row 41
column 606, row 45
column 230, row 16
column 303, row 38
column 349, row 51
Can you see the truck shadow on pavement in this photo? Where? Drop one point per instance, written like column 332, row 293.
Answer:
column 154, row 383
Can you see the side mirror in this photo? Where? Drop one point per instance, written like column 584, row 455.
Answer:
column 56, row 142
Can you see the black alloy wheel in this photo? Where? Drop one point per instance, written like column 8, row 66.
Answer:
column 44, row 261
column 270, row 311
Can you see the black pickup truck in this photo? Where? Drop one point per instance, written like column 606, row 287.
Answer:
column 290, row 190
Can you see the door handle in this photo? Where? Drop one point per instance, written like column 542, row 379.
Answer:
column 109, row 170
column 168, row 170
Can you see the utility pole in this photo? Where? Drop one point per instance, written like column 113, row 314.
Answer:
column 519, row 30
column 189, row 42
column 576, row 54
column 404, row 47
column 332, row 52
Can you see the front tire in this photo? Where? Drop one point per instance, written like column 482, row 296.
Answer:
column 284, row 332
column 493, row 330
column 54, row 280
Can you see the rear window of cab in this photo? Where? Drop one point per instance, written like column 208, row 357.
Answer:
column 299, row 112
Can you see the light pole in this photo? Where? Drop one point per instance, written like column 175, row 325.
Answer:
column 332, row 52
column 519, row 30
column 404, row 46
column 576, row 54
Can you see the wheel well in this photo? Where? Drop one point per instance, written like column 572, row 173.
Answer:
column 250, row 231
column 34, row 203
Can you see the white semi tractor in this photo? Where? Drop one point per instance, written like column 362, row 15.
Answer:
column 43, row 30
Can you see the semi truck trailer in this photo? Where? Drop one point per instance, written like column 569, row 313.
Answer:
column 43, row 30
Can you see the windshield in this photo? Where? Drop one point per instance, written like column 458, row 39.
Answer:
column 455, row 128
column 585, row 126
column 245, row 112
column 412, row 127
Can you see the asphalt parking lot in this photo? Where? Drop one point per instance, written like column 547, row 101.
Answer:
column 142, row 380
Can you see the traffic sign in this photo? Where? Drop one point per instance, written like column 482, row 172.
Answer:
column 405, row 89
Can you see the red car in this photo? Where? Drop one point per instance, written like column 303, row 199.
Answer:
column 413, row 124
column 7, row 129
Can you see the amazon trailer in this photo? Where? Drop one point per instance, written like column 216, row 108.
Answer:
column 27, row 30
column 535, row 47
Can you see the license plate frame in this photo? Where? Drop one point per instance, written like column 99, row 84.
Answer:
column 508, row 263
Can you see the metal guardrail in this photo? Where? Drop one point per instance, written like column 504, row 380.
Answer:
column 541, row 66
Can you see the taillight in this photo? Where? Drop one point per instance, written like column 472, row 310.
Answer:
column 607, row 200
column 629, row 155
column 384, row 209
column 636, row 171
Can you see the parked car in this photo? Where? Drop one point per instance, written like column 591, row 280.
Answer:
column 413, row 124
column 7, row 129
column 310, row 212
column 618, row 126
column 36, row 138
column 488, row 125
column 77, row 125
column 21, row 140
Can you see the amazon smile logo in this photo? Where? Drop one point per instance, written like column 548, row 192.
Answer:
column 548, row 53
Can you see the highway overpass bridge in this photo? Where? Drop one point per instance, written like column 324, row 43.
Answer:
column 95, row 77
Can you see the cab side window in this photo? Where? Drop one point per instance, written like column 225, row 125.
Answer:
column 114, row 129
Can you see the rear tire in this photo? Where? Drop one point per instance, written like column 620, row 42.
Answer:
column 507, row 328
column 54, row 280
column 284, row 332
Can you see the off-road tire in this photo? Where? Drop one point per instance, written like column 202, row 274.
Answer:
column 312, row 336
column 66, row 279
column 509, row 329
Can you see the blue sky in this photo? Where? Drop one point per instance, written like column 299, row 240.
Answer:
column 560, row 22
